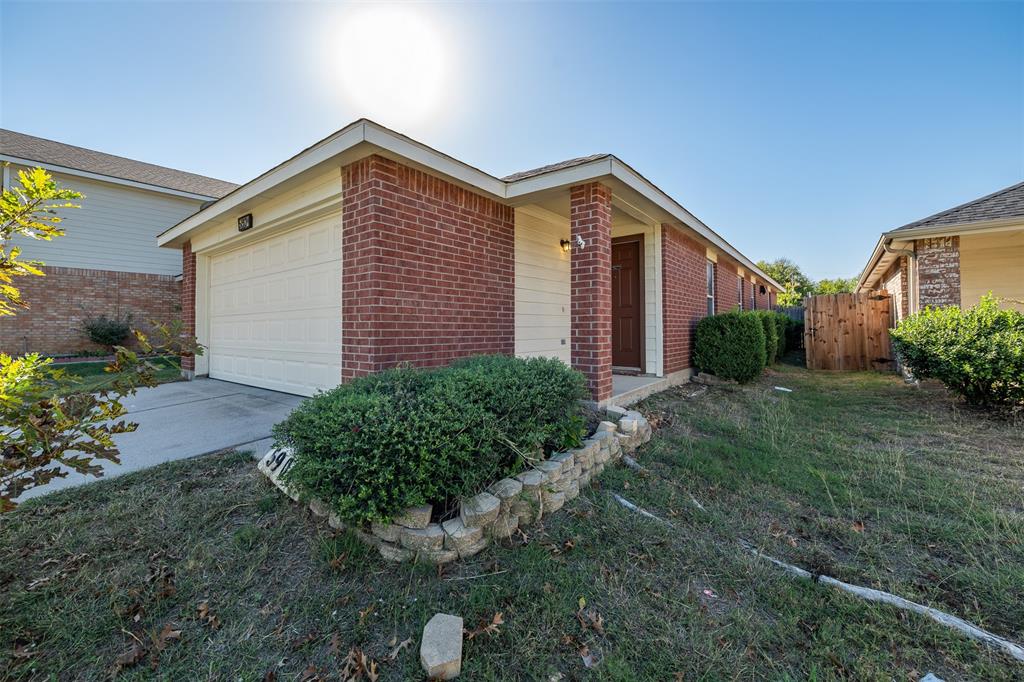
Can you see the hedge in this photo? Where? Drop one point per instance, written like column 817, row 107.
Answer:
column 768, row 318
column 731, row 346
column 977, row 353
column 405, row 437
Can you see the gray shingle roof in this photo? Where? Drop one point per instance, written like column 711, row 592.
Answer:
column 561, row 165
column 1006, row 203
column 42, row 150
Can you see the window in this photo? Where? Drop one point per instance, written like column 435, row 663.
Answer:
column 711, row 287
column 753, row 296
column 739, row 290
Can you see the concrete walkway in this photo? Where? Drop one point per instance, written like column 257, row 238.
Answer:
column 189, row 418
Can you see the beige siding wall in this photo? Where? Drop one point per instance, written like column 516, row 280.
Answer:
column 992, row 261
column 542, row 285
column 115, row 229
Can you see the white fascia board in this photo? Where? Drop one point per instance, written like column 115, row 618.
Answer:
column 640, row 184
column 868, row 271
column 587, row 172
column 29, row 163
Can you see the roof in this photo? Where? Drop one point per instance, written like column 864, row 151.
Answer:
column 561, row 165
column 41, row 150
column 363, row 137
column 1006, row 203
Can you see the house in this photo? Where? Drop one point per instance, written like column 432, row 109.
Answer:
column 108, row 262
column 369, row 249
column 953, row 257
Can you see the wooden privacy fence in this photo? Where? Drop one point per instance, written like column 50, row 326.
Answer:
column 848, row 331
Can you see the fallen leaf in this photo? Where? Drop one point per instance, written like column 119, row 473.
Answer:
column 335, row 644
column 488, row 628
column 129, row 658
column 588, row 659
column 366, row 612
column 206, row 616
column 270, row 676
column 302, row 641
column 401, row 645
column 858, row 526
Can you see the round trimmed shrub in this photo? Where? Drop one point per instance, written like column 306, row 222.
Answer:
column 977, row 353
column 730, row 346
column 373, row 447
column 781, row 324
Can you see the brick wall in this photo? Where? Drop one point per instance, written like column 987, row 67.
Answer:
column 188, row 300
column 65, row 297
column 590, row 217
column 762, row 299
column 938, row 268
column 428, row 270
column 725, row 286
column 772, row 298
column 684, row 295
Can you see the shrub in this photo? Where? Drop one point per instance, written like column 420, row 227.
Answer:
column 405, row 437
column 771, row 334
column 781, row 324
column 108, row 331
column 730, row 346
column 794, row 334
column 977, row 353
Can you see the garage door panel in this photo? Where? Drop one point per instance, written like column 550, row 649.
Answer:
column 275, row 311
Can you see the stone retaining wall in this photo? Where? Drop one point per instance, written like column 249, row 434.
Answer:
column 497, row 513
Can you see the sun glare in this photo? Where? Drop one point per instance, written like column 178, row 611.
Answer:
column 392, row 64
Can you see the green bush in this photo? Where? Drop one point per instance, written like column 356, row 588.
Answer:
column 731, row 346
column 781, row 323
column 771, row 334
column 794, row 334
column 108, row 331
column 977, row 353
column 405, row 437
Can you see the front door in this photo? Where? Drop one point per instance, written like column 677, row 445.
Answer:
column 627, row 302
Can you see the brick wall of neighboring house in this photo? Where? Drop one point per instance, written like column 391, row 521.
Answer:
column 938, row 268
column 684, row 295
column 725, row 286
column 62, row 300
column 772, row 299
column 590, row 218
column 762, row 299
column 895, row 282
column 428, row 269
column 188, row 300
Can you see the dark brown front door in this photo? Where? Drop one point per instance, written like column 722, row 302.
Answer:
column 627, row 302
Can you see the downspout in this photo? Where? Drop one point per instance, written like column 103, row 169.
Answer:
column 911, row 272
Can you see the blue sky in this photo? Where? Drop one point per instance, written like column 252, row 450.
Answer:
column 793, row 129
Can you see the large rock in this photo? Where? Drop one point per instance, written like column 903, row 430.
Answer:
column 414, row 517
column 503, row 527
column 615, row 412
column 551, row 468
column 553, row 501
column 506, row 490
column 479, row 510
column 426, row 539
column 460, row 537
column 393, row 553
column 532, row 480
column 441, row 647
column 566, row 459
column 388, row 532
column 528, row 510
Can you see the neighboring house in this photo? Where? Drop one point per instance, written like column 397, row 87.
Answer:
column 954, row 257
column 369, row 250
column 108, row 262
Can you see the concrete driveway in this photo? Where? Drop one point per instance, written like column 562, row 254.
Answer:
column 189, row 418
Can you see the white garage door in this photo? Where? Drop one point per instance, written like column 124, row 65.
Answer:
column 275, row 311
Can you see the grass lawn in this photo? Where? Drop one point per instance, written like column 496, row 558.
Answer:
column 856, row 475
column 92, row 377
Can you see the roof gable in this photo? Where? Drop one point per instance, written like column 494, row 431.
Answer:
column 41, row 150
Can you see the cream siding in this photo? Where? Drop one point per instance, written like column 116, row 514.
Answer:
column 115, row 229
column 993, row 261
column 542, row 295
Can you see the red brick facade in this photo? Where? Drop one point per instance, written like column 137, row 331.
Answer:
column 725, row 286
column 590, row 218
column 896, row 282
column 62, row 300
column 188, row 300
column 938, row 268
column 428, row 270
column 684, row 295
column 762, row 298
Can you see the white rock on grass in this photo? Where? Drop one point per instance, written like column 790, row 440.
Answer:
column 414, row 517
column 479, row 510
column 441, row 647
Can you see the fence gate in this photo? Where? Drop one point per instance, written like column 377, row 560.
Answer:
column 848, row 331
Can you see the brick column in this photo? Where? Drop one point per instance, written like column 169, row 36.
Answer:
column 188, row 303
column 590, row 217
column 938, row 268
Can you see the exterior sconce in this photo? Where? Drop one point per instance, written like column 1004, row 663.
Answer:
column 567, row 245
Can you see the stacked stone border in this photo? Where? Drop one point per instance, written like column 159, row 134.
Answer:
column 495, row 514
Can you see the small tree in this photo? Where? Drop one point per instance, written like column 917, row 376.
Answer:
column 838, row 285
column 44, row 421
column 786, row 272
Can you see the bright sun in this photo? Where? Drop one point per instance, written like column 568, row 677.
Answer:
column 392, row 64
